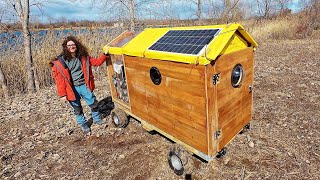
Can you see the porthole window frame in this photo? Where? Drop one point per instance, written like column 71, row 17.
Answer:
column 156, row 81
column 242, row 76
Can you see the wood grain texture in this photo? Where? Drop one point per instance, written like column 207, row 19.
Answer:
column 234, row 104
column 212, row 116
column 186, row 104
column 176, row 106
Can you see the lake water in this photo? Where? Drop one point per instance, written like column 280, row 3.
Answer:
column 13, row 41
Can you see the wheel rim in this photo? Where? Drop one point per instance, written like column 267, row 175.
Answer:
column 116, row 119
column 176, row 162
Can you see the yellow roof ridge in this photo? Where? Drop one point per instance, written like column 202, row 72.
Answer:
column 140, row 44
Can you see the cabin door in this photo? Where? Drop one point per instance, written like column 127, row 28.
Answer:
column 234, row 93
column 118, row 80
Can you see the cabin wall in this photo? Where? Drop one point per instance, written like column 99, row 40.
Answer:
column 212, row 109
column 176, row 106
column 234, row 105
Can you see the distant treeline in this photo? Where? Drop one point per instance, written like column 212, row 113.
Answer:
column 86, row 23
column 58, row 24
column 138, row 23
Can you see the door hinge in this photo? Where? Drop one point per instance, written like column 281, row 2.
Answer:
column 215, row 78
column 217, row 134
column 250, row 88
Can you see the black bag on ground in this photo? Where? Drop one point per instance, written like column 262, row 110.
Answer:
column 106, row 106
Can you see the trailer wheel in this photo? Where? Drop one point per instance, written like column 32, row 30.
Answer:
column 119, row 118
column 246, row 128
column 179, row 160
column 221, row 153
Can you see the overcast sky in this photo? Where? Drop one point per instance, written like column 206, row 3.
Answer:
column 84, row 10
column 68, row 9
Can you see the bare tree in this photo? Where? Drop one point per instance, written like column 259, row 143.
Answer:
column 162, row 9
column 230, row 10
column 309, row 5
column 214, row 10
column 283, row 4
column 198, row 4
column 312, row 8
column 3, row 82
column 123, row 9
column 22, row 9
column 284, row 7
column 131, row 14
column 128, row 10
column 5, row 15
column 305, row 4
column 265, row 8
column 3, row 18
column 199, row 10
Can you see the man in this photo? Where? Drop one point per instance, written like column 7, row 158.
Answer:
column 74, row 79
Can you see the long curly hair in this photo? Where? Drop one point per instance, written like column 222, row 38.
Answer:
column 81, row 49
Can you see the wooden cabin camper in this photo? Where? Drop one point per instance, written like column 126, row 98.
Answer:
column 191, row 84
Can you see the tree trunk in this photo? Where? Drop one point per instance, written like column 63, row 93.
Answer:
column 131, row 12
column 199, row 12
column 267, row 9
column 24, row 12
column 229, row 7
column 225, row 14
column 4, row 86
column 36, row 78
column 29, row 61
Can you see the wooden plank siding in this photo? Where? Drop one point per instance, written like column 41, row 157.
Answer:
column 212, row 109
column 234, row 104
column 177, row 106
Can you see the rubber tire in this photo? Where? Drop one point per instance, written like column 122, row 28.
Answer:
column 122, row 118
column 246, row 128
column 221, row 153
column 184, row 157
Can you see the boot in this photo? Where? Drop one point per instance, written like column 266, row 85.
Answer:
column 85, row 128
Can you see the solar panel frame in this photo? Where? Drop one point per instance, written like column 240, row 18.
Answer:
column 188, row 42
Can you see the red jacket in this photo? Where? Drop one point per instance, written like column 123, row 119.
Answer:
column 62, row 75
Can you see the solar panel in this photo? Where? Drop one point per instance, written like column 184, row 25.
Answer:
column 185, row 41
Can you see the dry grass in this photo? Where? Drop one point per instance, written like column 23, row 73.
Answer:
column 290, row 27
column 41, row 140
column 13, row 64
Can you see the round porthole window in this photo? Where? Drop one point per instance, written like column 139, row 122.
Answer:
column 237, row 75
column 155, row 75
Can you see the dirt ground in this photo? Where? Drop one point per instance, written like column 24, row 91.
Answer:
column 40, row 139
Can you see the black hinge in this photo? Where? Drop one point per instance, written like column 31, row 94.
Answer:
column 217, row 134
column 215, row 78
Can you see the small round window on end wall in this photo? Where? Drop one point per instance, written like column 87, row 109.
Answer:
column 155, row 75
column 237, row 75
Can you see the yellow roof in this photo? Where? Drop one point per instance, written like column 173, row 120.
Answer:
column 140, row 44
